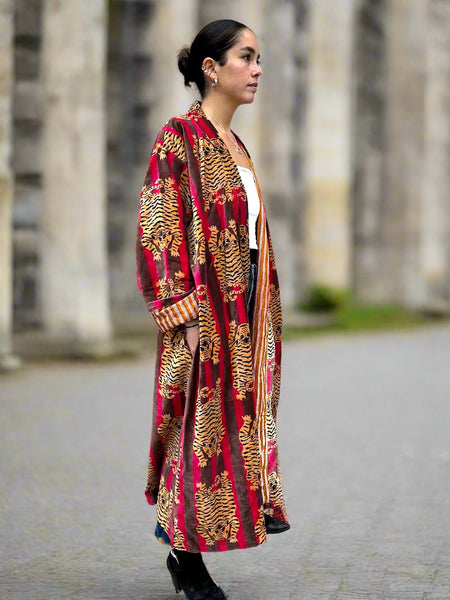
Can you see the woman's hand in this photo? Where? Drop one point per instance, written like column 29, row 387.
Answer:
column 191, row 333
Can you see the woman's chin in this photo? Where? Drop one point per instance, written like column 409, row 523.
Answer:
column 249, row 98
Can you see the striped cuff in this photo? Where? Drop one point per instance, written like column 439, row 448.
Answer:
column 176, row 314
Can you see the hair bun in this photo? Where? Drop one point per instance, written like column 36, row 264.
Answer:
column 184, row 65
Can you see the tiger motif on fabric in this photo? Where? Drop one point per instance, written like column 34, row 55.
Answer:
column 176, row 362
column 178, row 537
column 276, row 493
column 170, row 143
column 260, row 527
column 271, row 427
column 209, row 429
column 248, row 436
column 270, row 346
column 272, row 258
column 167, row 501
column 196, row 241
column 151, row 488
column 275, row 312
column 276, row 386
column 168, row 287
column 170, row 430
column 239, row 340
column 209, row 338
column 244, row 244
column 164, row 505
column 159, row 218
column 230, row 250
column 216, row 511
column 218, row 173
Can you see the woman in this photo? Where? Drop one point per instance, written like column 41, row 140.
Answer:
column 207, row 273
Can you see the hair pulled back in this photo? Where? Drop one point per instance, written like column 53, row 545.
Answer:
column 214, row 40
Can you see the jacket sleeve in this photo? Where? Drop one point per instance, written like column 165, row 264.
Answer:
column 163, row 267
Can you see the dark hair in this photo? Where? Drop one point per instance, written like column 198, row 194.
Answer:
column 214, row 40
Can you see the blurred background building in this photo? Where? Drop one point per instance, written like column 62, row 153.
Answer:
column 350, row 135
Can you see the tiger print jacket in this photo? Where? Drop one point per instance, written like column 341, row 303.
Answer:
column 213, row 468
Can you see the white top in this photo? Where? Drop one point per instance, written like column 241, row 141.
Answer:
column 252, row 201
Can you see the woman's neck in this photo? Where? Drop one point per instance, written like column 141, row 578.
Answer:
column 219, row 114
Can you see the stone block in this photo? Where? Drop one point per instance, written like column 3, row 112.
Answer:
column 25, row 244
column 27, row 63
column 27, row 201
column 28, row 17
column 115, row 116
column 26, row 303
column 27, row 156
column 28, row 100
column 146, row 90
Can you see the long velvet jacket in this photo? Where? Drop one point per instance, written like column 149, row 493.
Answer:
column 213, row 466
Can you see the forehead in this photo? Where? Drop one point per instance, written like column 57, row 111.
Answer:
column 247, row 39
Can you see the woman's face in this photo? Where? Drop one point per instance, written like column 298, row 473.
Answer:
column 238, row 78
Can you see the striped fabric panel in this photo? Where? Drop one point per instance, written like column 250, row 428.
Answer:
column 260, row 341
column 176, row 314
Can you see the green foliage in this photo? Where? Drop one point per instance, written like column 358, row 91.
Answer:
column 360, row 317
column 357, row 317
column 322, row 298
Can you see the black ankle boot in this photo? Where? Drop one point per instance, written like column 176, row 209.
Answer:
column 190, row 574
column 275, row 525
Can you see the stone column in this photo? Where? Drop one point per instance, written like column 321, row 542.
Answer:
column 74, row 269
column 327, row 217
column 435, row 215
column 131, row 94
column 7, row 361
column 277, row 139
column 299, row 125
column 267, row 126
column 248, row 121
column 173, row 26
column 149, row 92
column 401, row 214
column 369, row 147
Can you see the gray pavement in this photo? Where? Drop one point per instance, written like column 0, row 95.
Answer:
column 365, row 445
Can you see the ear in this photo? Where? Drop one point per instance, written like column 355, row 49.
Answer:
column 208, row 66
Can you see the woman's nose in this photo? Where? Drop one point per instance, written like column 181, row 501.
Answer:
column 258, row 70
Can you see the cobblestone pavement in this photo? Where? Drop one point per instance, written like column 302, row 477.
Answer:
column 365, row 445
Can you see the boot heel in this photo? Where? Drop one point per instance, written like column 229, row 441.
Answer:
column 175, row 579
column 190, row 575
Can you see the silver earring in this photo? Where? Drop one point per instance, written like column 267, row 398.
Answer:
column 215, row 82
column 203, row 68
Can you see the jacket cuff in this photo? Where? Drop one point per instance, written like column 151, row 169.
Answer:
column 178, row 313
